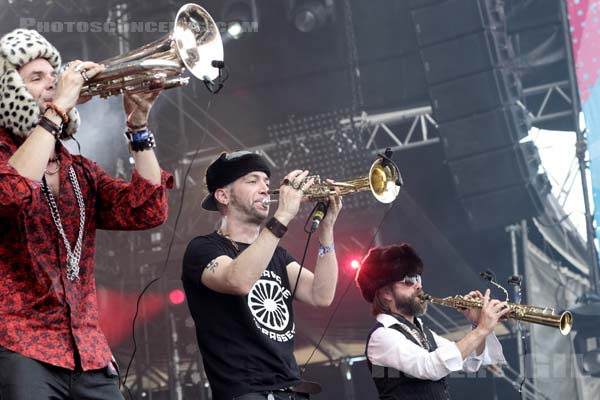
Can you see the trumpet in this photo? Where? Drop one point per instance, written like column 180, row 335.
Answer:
column 194, row 44
column 538, row 315
column 383, row 180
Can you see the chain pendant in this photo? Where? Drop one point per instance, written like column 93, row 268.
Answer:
column 73, row 255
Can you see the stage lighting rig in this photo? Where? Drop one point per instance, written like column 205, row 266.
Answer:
column 239, row 17
column 309, row 15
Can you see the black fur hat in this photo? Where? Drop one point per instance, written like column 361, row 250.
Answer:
column 226, row 169
column 387, row 264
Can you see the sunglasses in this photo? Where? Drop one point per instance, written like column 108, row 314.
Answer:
column 411, row 280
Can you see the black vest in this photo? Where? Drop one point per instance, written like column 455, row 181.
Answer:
column 395, row 385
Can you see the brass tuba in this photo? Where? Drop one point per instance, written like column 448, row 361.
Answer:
column 194, row 44
column 383, row 181
column 537, row 315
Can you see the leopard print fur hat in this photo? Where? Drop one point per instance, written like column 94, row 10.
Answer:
column 19, row 113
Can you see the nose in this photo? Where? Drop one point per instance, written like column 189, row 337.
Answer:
column 264, row 188
column 51, row 82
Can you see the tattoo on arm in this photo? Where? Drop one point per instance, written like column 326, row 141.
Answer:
column 212, row 265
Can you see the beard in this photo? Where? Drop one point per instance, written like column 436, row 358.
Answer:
column 249, row 210
column 411, row 305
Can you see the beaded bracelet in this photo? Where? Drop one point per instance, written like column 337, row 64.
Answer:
column 59, row 111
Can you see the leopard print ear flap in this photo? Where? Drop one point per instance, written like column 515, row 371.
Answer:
column 72, row 126
column 19, row 113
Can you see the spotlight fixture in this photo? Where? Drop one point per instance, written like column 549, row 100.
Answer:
column 309, row 15
column 239, row 17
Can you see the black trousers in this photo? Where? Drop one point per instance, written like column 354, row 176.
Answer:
column 23, row 378
column 276, row 395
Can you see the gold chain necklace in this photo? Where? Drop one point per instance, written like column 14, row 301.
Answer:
column 226, row 236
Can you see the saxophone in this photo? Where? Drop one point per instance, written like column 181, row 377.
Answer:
column 538, row 315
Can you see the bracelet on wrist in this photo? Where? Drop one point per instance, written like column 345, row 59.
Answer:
column 59, row 111
column 326, row 249
column 140, row 140
column 277, row 228
column 50, row 126
column 137, row 127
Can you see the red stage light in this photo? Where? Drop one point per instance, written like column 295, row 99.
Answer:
column 355, row 264
column 176, row 296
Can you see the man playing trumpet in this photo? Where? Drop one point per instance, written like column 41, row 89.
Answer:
column 407, row 359
column 51, row 203
column 239, row 282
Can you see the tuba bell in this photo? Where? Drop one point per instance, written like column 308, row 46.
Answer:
column 194, row 45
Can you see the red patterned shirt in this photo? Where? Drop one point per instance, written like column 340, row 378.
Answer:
column 43, row 315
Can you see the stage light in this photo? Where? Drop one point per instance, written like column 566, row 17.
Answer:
column 240, row 16
column 355, row 264
column 309, row 15
column 176, row 296
column 235, row 30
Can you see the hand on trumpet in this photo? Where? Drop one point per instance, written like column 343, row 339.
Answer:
column 335, row 206
column 291, row 194
column 71, row 80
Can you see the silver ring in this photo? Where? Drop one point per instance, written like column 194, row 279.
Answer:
column 78, row 67
column 84, row 75
column 296, row 185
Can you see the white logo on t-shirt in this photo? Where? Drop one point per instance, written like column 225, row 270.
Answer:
column 266, row 301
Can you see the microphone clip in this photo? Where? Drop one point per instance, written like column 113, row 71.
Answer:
column 215, row 86
column 490, row 276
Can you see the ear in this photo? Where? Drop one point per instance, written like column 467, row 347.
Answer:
column 222, row 196
column 386, row 293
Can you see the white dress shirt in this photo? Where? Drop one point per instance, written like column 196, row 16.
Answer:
column 390, row 348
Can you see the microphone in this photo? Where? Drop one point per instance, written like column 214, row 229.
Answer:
column 218, row 64
column 490, row 276
column 318, row 214
column 485, row 276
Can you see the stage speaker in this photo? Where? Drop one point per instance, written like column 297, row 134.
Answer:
column 474, row 94
column 465, row 55
column 495, row 170
column 508, row 205
column 480, row 133
column 453, row 18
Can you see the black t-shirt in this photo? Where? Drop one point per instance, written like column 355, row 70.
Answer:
column 247, row 342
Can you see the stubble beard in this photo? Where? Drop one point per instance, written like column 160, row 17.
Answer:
column 253, row 215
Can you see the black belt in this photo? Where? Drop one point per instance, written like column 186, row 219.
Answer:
column 305, row 387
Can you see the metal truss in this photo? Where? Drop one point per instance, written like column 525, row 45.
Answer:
column 415, row 134
column 555, row 92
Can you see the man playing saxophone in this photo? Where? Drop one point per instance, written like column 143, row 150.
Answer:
column 407, row 359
